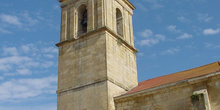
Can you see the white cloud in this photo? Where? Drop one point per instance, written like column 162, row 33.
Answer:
column 27, row 88
column 25, row 59
column 160, row 37
column 149, row 42
column 152, row 55
column 9, row 74
column 1, row 78
column 211, row 31
column 48, row 55
column 191, row 47
column 212, row 46
column 15, row 60
column 5, row 67
column 8, row 64
column 4, row 31
column 140, row 54
column 10, row 19
column 29, row 64
column 25, row 48
column 29, row 48
column 172, row 28
column 24, row 20
column 204, row 17
column 27, row 19
column 185, row 36
column 141, row 6
column 24, row 63
column 47, row 64
column 24, row 71
column 183, row 19
column 207, row 45
column 159, row 18
column 157, row 6
column 171, row 51
column 10, row 51
column 39, row 51
column 154, row 4
column 56, row 6
column 146, row 33
column 50, row 50
column 149, row 38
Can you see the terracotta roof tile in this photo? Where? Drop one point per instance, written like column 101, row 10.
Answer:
column 175, row 77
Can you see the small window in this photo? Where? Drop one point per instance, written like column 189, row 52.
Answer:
column 82, row 19
column 198, row 101
column 119, row 22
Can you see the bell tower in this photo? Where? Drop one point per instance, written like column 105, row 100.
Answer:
column 97, row 57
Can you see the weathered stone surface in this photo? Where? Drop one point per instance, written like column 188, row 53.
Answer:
column 96, row 65
column 92, row 97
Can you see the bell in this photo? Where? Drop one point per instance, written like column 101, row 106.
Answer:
column 84, row 21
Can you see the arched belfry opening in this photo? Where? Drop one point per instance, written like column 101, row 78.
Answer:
column 82, row 19
column 119, row 21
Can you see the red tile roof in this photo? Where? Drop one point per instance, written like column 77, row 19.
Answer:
column 171, row 78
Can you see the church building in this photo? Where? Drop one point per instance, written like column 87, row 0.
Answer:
column 97, row 65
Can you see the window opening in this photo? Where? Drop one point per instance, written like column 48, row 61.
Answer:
column 200, row 100
column 82, row 20
column 119, row 22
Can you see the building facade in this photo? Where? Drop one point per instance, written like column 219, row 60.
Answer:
column 97, row 57
column 97, row 65
column 194, row 89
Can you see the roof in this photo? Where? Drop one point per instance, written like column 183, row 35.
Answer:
column 176, row 77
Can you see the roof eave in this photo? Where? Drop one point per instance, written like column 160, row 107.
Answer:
column 192, row 80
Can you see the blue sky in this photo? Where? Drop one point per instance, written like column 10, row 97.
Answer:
column 171, row 36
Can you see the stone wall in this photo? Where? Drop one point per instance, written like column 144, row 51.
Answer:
column 92, row 97
column 82, row 62
column 173, row 97
column 213, row 86
column 121, row 63
column 113, row 91
column 85, row 64
column 96, row 65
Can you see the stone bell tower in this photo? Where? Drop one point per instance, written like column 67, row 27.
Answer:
column 97, row 57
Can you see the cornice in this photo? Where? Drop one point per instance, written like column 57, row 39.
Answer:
column 96, row 31
column 126, row 2
column 65, row 90
column 129, row 4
